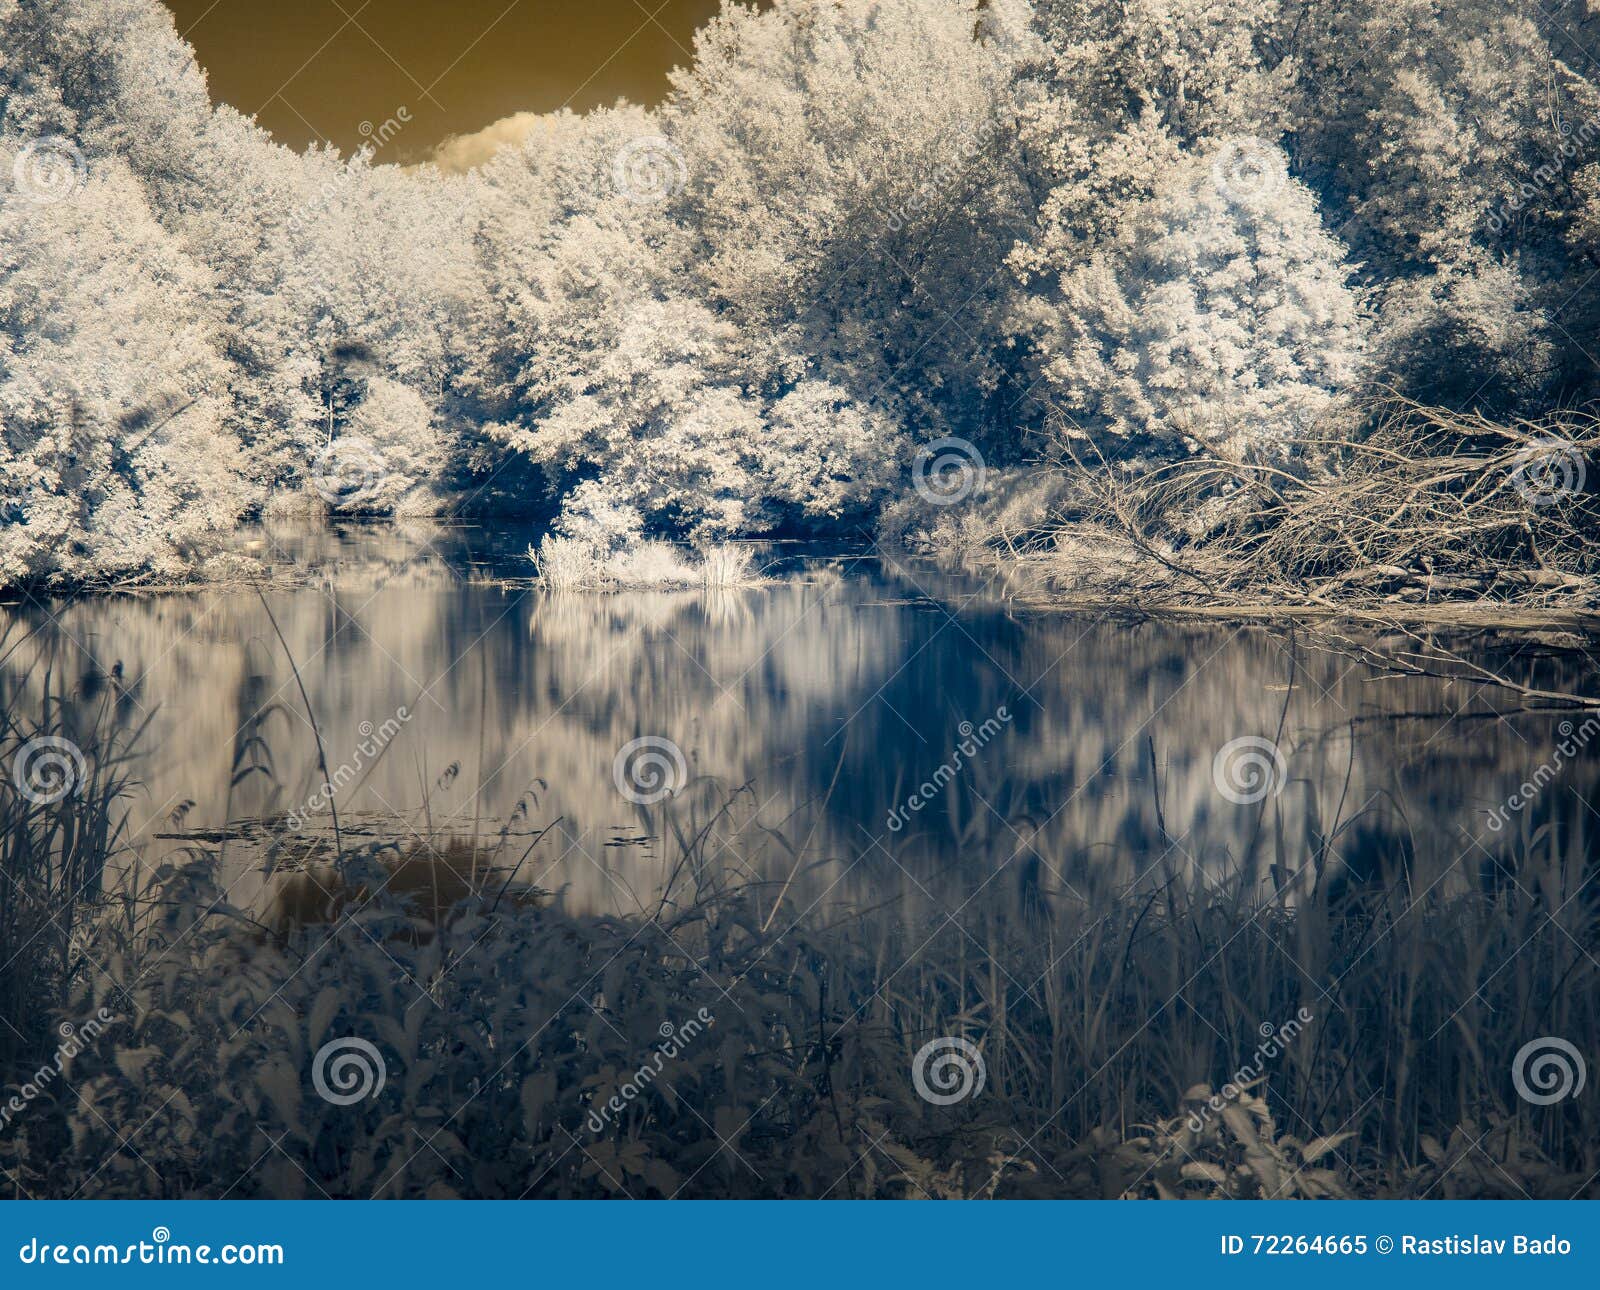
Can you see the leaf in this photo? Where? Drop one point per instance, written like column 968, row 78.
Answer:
column 537, row 1090
column 1267, row 1172
column 1239, row 1124
column 132, row 1061
column 1320, row 1147
column 662, row 1176
column 322, row 1012
column 281, row 1083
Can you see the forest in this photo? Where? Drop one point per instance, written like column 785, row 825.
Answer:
column 1185, row 275
column 1095, row 695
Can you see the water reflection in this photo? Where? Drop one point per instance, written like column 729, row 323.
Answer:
column 902, row 730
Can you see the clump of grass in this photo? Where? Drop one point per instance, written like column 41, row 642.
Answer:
column 649, row 564
column 64, row 790
column 726, row 566
column 566, row 564
column 572, row 564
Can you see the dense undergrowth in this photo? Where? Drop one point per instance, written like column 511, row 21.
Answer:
column 1340, row 1031
column 1417, row 507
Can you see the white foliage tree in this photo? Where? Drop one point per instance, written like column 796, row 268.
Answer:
column 114, row 457
column 850, row 229
column 1220, row 311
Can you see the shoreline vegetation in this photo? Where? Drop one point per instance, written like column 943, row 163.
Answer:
column 1428, row 517
column 1325, row 1018
column 1425, row 519
column 1247, row 331
column 570, row 564
column 1312, row 1039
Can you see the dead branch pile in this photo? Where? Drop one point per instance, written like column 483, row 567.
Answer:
column 1426, row 506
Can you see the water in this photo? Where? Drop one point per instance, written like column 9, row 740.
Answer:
column 905, row 731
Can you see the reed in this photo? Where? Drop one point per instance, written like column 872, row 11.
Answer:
column 1121, row 1037
column 64, row 805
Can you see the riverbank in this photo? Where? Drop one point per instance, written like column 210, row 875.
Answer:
column 1345, row 1039
column 1195, row 901
column 1416, row 516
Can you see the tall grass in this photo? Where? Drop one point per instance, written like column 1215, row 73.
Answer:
column 64, row 790
column 1104, row 1028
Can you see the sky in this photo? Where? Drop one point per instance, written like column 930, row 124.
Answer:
column 312, row 70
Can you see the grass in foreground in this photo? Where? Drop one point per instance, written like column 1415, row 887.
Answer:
column 725, row 1043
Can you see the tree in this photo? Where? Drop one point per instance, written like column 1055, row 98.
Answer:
column 1447, row 141
column 115, row 460
column 1220, row 311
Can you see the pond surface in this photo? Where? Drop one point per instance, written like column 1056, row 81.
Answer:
column 893, row 729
